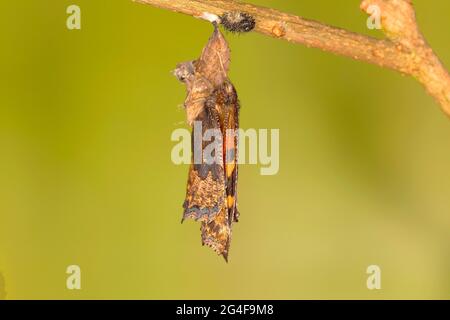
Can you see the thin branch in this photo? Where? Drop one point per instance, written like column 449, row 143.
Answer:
column 405, row 49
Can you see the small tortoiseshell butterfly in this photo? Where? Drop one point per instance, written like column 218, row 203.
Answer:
column 212, row 101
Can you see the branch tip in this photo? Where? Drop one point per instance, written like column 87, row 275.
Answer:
column 405, row 49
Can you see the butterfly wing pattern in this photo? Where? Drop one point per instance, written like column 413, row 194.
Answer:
column 213, row 104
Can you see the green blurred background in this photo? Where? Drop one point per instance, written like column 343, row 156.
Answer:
column 86, row 176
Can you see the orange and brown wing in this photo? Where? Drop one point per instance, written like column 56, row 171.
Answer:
column 205, row 194
column 231, row 125
column 217, row 233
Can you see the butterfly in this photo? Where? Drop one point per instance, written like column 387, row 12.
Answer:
column 212, row 109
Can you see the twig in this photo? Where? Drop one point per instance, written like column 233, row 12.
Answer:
column 405, row 49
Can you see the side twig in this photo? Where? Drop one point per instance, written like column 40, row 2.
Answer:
column 404, row 50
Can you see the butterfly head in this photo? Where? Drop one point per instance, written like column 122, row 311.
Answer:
column 185, row 72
